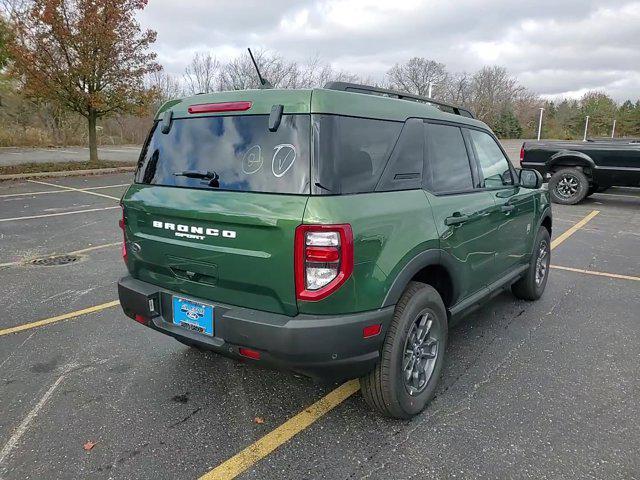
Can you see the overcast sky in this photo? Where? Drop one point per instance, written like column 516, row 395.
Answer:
column 554, row 47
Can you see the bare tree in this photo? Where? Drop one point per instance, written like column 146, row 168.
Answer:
column 416, row 75
column 457, row 89
column 240, row 74
column 165, row 85
column 493, row 91
column 201, row 74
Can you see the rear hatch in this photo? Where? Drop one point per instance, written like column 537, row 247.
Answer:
column 217, row 198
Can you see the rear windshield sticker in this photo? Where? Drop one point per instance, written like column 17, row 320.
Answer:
column 252, row 160
column 284, row 156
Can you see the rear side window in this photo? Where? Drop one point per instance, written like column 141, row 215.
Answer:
column 230, row 153
column 350, row 154
column 494, row 166
column 404, row 170
column 447, row 168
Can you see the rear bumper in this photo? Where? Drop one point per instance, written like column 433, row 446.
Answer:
column 321, row 346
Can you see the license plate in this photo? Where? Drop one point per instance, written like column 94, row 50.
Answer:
column 193, row 316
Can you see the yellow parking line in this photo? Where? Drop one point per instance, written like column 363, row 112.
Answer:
column 599, row 274
column 285, row 432
column 573, row 229
column 74, row 189
column 75, row 252
column 59, row 318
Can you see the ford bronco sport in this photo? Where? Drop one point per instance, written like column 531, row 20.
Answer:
column 336, row 232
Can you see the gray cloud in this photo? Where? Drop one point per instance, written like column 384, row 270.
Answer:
column 555, row 48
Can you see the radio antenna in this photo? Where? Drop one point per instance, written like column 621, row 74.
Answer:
column 264, row 83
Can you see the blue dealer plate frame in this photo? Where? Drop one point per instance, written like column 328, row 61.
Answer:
column 193, row 316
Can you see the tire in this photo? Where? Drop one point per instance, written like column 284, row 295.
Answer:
column 568, row 186
column 532, row 284
column 385, row 389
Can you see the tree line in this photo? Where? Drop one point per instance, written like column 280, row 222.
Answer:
column 83, row 71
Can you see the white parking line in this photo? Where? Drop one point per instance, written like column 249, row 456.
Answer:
column 74, row 189
column 62, row 191
column 58, row 214
column 24, row 425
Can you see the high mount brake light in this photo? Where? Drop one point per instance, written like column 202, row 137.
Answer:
column 323, row 259
column 220, row 107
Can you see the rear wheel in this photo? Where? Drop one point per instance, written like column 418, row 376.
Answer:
column 531, row 286
column 568, row 186
column 406, row 376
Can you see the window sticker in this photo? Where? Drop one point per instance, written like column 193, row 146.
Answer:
column 252, row 160
column 284, row 156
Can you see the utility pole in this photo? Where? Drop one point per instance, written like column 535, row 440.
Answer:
column 430, row 88
column 586, row 127
column 613, row 129
column 540, row 123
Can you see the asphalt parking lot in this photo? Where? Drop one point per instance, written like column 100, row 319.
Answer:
column 549, row 389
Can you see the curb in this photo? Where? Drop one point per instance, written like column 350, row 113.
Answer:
column 66, row 173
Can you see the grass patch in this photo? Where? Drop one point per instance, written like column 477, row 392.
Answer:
column 61, row 166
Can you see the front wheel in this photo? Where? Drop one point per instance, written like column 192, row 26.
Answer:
column 531, row 286
column 407, row 373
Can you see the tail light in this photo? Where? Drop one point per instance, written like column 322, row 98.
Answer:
column 323, row 259
column 122, row 223
column 521, row 153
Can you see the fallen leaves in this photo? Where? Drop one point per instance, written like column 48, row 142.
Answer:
column 258, row 420
column 89, row 445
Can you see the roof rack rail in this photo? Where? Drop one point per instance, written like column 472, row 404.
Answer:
column 383, row 92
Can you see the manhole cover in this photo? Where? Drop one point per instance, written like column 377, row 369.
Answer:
column 55, row 260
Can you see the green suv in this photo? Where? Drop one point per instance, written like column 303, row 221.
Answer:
column 335, row 232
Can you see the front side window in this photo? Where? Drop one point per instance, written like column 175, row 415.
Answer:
column 230, row 153
column 447, row 168
column 494, row 166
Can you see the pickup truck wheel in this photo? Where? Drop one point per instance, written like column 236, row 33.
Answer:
column 532, row 284
column 568, row 186
column 407, row 373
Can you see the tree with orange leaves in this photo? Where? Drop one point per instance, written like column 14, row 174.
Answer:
column 89, row 56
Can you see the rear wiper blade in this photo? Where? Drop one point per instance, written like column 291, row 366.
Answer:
column 205, row 174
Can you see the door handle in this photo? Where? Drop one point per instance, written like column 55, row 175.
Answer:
column 507, row 208
column 455, row 220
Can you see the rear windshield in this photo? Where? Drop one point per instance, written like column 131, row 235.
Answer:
column 229, row 153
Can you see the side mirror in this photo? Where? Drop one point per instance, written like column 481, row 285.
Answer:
column 530, row 178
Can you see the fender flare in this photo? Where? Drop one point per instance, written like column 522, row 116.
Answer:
column 572, row 158
column 431, row 257
column 546, row 213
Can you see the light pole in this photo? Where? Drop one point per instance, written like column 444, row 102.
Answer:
column 586, row 127
column 540, row 123
column 613, row 129
column 430, row 88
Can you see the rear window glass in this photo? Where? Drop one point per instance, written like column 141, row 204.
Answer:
column 447, row 160
column 350, row 154
column 230, row 153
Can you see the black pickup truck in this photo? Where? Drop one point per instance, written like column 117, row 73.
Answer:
column 577, row 169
